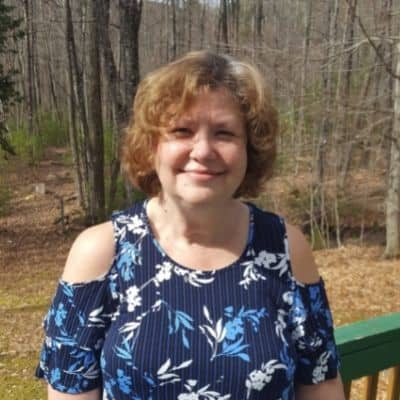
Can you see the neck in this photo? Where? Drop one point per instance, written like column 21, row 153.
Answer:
column 196, row 224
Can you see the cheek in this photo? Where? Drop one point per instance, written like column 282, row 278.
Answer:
column 243, row 162
column 169, row 154
column 239, row 155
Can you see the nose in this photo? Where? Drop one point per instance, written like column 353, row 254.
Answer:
column 202, row 146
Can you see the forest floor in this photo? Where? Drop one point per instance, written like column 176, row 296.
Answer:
column 33, row 249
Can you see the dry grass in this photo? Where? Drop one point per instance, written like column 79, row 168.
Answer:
column 360, row 285
column 32, row 253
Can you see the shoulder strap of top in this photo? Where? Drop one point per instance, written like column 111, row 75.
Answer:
column 270, row 236
column 270, row 231
column 128, row 224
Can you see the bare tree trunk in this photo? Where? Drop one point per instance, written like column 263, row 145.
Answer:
column 35, row 59
column 130, row 24
column 300, row 126
column 223, row 27
column 236, row 21
column 189, row 24
column 4, row 142
column 95, row 119
column 259, row 24
column 276, row 24
column 393, row 192
column 74, row 142
column 52, row 86
column 120, row 107
column 81, row 140
column 318, row 218
column 174, row 30
column 110, row 66
column 357, row 122
column 80, row 181
column 20, row 112
column 340, row 125
column 348, row 68
column 30, row 69
column 388, row 50
column 203, row 24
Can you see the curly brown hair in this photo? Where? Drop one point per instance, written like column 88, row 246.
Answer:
column 168, row 91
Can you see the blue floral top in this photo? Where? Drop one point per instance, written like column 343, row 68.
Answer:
column 153, row 329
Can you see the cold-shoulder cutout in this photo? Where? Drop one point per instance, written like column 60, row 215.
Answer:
column 302, row 260
column 91, row 254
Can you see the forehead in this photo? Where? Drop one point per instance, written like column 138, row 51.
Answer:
column 217, row 103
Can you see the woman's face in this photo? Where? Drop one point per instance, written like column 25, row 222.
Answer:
column 202, row 156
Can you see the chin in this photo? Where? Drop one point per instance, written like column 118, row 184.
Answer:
column 203, row 197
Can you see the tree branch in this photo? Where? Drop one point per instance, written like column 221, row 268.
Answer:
column 376, row 48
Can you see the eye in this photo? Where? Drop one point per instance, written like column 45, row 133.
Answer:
column 224, row 134
column 178, row 132
column 181, row 132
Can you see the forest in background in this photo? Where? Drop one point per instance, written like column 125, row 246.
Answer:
column 333, row 68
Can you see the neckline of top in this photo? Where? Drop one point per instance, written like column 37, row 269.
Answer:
column 166, row 257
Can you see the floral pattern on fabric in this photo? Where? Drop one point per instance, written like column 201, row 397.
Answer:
column 153, row 329
column 312, row 333
column 75, row 335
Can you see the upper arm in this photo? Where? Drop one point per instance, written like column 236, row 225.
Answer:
column 302, row 260
column 331, row 389
column 305, row 270
column 56, row 395
column 90, row 257
column 91, row 254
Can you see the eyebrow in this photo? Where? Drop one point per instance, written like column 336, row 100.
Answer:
column 226, row 121
column 231, row 123
column 181, row 121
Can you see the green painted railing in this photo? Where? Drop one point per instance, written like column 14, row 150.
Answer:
column 368, row 347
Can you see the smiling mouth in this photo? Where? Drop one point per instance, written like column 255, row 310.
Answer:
column 200, row 176
column 205, row 173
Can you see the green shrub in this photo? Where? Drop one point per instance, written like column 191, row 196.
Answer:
column 30, row 147
column 121, row 201
column 53, row 131
column 318, row 242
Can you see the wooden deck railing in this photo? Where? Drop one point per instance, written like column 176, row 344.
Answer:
column 367, row 348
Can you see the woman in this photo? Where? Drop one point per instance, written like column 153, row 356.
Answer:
column 207, row 297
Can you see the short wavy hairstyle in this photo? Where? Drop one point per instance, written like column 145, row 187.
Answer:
column 167, row 92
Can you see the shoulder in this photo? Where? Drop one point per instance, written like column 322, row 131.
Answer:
column 91, row 254
column 302, row 260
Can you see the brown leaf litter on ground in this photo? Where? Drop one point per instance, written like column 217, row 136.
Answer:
column 33, row 249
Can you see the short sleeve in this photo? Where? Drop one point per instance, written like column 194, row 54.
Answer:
column 312, row 334
column 75, row 328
